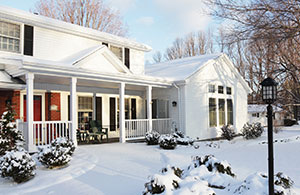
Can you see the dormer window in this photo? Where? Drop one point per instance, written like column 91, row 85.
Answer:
column 117, row 51
column 9, row 37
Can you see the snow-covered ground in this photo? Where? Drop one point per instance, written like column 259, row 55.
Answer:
column 123, row 169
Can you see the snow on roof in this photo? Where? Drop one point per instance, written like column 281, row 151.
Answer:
column 259, row 108
column 6, row 78
column 50, row 23
column 179, row 69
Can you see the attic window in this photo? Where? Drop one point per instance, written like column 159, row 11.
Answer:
column 228, row 90
column 211, row 88
column 9, row 37
column 117, row 51
column 221, row 89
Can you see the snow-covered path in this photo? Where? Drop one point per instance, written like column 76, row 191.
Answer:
column 122, row 169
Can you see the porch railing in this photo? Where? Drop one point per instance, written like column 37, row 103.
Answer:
column 46, row 131
column 162, row 126
column 137, row 128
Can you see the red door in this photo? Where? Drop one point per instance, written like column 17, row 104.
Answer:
column 37, row 108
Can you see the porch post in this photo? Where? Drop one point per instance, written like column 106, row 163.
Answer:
column 149, row 107
column 29, row 111
column 122, row 112
column 94, row 106
column 73, row 110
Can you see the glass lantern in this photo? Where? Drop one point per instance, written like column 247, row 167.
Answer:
column 269, row 90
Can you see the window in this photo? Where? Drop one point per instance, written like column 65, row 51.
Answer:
column 9, row 37
column 117, row 51
column 228, row 90
column 212, row 112
column 229, row 112
column 85, row 112
column 221, row 112
column 211, row 88
column 255, row 115
column 220, row 89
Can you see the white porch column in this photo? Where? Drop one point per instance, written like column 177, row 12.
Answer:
column 94, row 106
column 122, row 112
column 73, row 110
column 29, row 111
column 149, row 107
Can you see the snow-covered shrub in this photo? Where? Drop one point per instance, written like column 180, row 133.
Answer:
column 58, row 153
column 10, row 137
column 252, row 131
column 182, row 139
column 152, row 137
column 212, row 164
column 167, row 180
column 228, row 132
column 257, row 183
column 167, row 142
column 17, row 164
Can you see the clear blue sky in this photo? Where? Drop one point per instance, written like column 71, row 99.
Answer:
column 154, row 22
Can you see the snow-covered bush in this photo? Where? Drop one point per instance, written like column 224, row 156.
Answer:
column 212, row 164
column 58, row 153
column 182, row 139
column 10, row 137
column 17, row 164
column 167, row 142
column 152, row 137
column 257, row 184
column 168, row 179
column 252, row 131
column 228, row 132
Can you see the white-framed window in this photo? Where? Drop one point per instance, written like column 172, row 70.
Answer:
column 220, row 89
column 228, row 91
column 10, row 37
column 229, row 112
column 211, row 88
column 118, row 51
column 85, row 111
column 221, row 112
column 212, row 112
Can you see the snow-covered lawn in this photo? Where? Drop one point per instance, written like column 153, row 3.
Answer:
column 123, row 169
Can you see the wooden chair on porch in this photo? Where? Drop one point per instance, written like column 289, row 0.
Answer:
column 97, row 130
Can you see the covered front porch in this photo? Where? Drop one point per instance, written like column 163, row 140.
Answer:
column 123, row 105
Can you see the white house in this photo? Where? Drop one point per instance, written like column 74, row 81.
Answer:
column 208, row 92
column 258, row 113
column 59, row 76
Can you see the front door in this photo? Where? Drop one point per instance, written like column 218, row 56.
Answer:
column 37, row 108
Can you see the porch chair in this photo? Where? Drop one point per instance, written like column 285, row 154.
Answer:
column 96, row 129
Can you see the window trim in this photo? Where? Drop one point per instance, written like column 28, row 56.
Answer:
column 21, row 25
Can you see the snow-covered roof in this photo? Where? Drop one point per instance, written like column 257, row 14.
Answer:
column 7, row 82
column 259, row 108
column 179, row 69
column 58, row 25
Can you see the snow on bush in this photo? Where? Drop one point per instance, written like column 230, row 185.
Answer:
column 228, row 132
column 152, row 137
column 201, row 177
column 10, row 137
column 257, row 183
column 182, row 139
column 58, row 153
column 17, row 164
column 252, row 131
column 167, row 142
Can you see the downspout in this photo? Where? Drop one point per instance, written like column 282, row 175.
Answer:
column 179, row 105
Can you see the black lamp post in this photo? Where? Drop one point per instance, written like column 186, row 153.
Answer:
column 269, row 96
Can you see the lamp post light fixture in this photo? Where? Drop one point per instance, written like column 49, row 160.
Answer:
column 269, row 96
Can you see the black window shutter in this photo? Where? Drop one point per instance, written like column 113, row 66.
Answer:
column 28, row 40
column 127, row 58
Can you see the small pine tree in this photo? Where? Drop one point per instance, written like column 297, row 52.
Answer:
column 10, row 137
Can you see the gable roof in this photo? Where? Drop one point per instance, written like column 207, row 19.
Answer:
column 182, row 69
column 179, row 69
column 79, row 59
column 58, row 25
